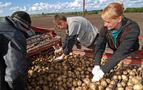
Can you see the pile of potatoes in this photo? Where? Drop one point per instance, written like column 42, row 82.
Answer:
column 75, row 74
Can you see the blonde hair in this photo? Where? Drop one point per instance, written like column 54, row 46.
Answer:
column 113, row 11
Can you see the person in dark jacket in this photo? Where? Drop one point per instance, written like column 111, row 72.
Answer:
column 121, row 35
column 14, row 64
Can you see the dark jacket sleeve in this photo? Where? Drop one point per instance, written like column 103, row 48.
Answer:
column 100, row 46
column 124, row 48
column 69, row 43
column 15, row 60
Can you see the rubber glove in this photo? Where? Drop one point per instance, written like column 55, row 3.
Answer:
column 97, row 73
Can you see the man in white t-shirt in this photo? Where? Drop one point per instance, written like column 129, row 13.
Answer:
column 79, row 29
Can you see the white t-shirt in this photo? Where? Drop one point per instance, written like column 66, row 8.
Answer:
column 83, row 28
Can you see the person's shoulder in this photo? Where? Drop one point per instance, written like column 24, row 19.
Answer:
column 73, row 20
column 131, row 22
column 5, row 26
column 132, row 26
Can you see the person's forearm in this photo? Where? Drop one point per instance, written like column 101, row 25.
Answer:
column 112, row 62
column 69, row 43
column 99, row 50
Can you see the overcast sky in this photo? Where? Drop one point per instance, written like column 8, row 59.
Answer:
column 49, row 6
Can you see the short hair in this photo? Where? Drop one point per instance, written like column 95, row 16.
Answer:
column 58, row 17
column 113, row 11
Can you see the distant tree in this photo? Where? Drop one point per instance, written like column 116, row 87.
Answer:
column 134, row 10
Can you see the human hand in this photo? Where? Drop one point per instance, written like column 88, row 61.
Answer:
column 60, row 58
column 58, row 50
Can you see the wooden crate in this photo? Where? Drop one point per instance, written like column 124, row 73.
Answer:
column 45, row 40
